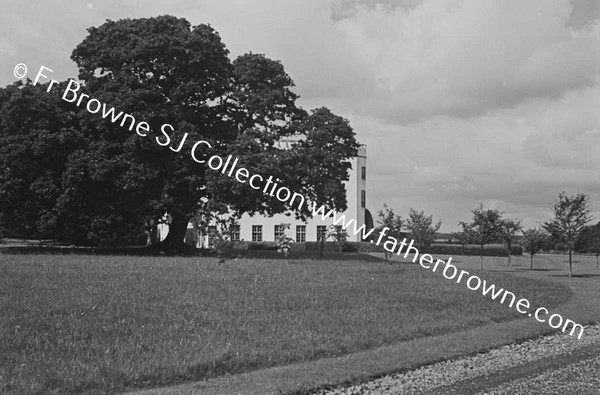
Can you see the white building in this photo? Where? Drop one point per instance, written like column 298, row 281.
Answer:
column 260, row 228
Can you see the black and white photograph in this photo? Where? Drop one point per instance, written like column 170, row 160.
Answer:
column 320, row 197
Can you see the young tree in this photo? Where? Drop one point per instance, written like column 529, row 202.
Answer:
column 533, row 240
column 485, row 227
column 284, row 241
column 571, row 214
column 338, row 234
column 508, row 230
column 421, row 229
column 395, row 223
column 462, row 237
column 589, row 241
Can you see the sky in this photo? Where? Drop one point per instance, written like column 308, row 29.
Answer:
column 459, row 102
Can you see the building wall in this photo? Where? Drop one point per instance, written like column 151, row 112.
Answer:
column 356, row 186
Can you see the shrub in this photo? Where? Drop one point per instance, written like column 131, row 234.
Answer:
column 191, row 237
column 474, row 250
column 262, row 246
column 349, row 246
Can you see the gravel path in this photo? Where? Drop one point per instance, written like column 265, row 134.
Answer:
column 555, row 364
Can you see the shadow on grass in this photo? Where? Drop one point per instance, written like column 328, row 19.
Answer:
column 576, row 275
column 75, row 250
column 197, row 252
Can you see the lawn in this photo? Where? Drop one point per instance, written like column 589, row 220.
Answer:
column 96, row 324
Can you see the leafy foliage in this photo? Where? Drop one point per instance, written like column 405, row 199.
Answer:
column 339, row 235
column 389, row 219
column 571, row 214
column 485, row 227
column 283, row 241
column 589, row 241
column 421, row 229
column 508, row 231
column 533, row 240
column 79, row 176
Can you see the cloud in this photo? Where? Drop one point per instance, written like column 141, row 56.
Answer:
column 466, row 58
column 458, row 101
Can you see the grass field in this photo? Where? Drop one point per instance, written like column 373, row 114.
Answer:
column 75, row 324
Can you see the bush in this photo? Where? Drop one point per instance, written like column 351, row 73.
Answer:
column 262, row 246
column 349, row 246
column 316, row 246
column 474, row 250
column 191, row 237
column 442, row 249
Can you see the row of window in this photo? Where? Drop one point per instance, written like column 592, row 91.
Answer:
column 279, row 230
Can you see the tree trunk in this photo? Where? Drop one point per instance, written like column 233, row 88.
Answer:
column 322, row 245
column 175, row 238
column 481, row 257
column 154, row 234
column 570, row 263
column 531, row 262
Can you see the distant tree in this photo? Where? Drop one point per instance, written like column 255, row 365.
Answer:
column 508, row 230
column 533, row 241
column 395, row 223
column 485, row 227
column 589, row 241
column 421, row 229
column 338, row 234
column 462, row 238
column 571, row 214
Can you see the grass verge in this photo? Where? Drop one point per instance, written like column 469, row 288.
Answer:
column 76, row 324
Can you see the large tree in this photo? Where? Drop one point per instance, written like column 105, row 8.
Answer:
column 571, row 214
column 163, row 71
column 484, row 228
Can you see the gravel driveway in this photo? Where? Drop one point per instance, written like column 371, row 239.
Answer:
column 555, row 364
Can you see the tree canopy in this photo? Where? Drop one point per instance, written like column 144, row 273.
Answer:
column 106, row 183
column 422, row 229
column 533, row 240
column 571, row 214
column 484, row 228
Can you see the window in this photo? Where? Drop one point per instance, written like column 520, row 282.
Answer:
column 256, row 232
column 300, row 233
column 363, row 172
column 363, row 198
column 279, row 231
column 321, row 232
column 235, row 234
column 212, row 230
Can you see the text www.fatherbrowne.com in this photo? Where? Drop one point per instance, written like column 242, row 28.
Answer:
column 227, row 167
